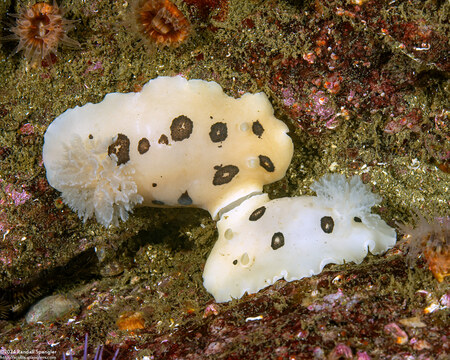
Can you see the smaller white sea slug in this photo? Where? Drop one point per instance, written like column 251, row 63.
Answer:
column 262, row 240
column 177, row 142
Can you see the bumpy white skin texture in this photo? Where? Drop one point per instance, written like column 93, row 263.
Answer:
column 294, row 237
column 175, row 143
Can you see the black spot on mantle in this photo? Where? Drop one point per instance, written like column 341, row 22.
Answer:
column 224, row 174
column 163, row 140
column 277, row 241
column 143, row 146
column 266, row 163
column 257, row 128
column 327, row 224
column 219, row 132
column 257, row 214
column 120, row 148
column 181, row 128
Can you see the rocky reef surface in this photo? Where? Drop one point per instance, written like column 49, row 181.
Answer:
column 363, row 86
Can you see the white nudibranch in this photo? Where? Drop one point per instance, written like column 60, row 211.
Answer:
column 175, row 143
column 186, row 143
column 262, row 240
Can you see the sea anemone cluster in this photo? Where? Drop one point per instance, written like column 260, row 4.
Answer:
column 430, row 240
column 160, row 22
column 40, row 28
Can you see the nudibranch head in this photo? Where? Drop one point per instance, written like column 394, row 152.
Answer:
column 175, row 143
column 264, row 240
column 40, row 29
column 160, row 22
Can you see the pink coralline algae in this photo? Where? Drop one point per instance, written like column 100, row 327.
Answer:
column 362, row 355
column 320, row 109
column 343, row 73
column 26, row 129
column 410, row 121
column 332, row 300
column 341, row 351
column 94, row 67
column 397, row 333
column 288, row 97
column 13, row 196
column 445, row 300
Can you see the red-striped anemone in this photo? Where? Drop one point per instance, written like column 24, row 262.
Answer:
column 40, row 29
column 160, row 22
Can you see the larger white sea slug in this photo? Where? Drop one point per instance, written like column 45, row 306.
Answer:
column 175, row 143
column 262, row 241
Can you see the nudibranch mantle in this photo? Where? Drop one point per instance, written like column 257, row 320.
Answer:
column 177, row 142
column 262, row 240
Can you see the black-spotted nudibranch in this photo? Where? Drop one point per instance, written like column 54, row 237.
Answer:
column 175, row 143
column 186, row 143
column 263, row 240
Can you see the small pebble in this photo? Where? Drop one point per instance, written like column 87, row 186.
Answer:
column 414, row 322
column 397, row 333
column 51, row 308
